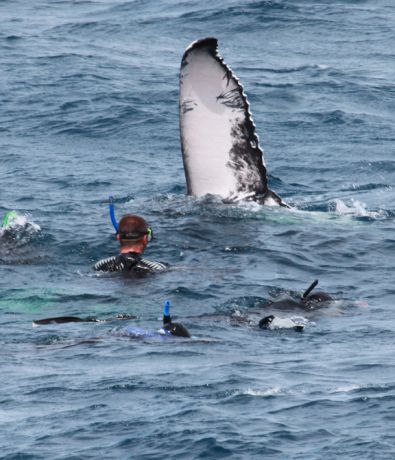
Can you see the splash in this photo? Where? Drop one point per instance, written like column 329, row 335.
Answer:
column 336, row 212
column 174, row 205
column 19, row 230
column 355, row 209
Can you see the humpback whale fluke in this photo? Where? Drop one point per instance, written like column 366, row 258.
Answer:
column 220, row 147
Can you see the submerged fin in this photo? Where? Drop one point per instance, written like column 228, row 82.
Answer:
column 77, row 319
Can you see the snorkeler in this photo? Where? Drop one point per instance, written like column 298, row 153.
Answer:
column 307, row 301
column 167, row 330
column 133, row 234
column 177, row 329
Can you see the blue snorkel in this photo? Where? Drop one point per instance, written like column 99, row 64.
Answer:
column 111, row 208
column 166, row 312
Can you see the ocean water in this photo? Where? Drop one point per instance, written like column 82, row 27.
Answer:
column 89, row 108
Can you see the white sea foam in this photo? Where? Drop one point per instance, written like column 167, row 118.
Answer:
column 262, row 393
column 346, row 388
column 356, row 208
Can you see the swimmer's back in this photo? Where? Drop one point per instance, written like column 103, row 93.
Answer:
column 129, row 262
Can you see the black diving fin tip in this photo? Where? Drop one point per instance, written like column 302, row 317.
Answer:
column 309, row 289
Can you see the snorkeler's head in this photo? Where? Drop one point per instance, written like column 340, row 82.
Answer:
column 176, row 329
column 133, row 229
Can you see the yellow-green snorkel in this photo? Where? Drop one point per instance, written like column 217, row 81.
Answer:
column 8, row 218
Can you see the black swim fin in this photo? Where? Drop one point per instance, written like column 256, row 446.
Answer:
column 76, row 319
column 309, row 289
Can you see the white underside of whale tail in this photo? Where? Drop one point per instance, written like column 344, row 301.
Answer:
column 220, row 148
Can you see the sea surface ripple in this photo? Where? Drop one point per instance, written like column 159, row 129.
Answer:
column 89, row 108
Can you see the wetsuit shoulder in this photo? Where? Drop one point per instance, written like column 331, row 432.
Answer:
column 110, row 264
column 152, row 266
column 131, row 262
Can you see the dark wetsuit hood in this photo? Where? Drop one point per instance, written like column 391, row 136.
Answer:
column 177, row 329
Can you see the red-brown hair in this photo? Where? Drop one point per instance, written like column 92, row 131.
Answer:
column 132, row 228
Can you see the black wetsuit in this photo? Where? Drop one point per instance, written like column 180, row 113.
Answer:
column 129, row 262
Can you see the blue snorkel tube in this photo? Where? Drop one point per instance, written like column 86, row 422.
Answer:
column 111, row 208
column 114, row 222
column 166, row 313
column 166, row 308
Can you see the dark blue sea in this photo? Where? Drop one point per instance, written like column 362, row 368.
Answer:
column 89, row 108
